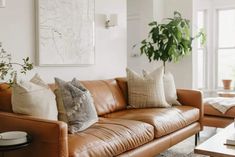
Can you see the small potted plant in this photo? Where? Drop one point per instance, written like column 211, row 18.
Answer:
column 169, row 41
column 227, row 84
column 7, row 67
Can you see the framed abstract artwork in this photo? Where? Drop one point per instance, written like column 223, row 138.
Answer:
column 65, row 32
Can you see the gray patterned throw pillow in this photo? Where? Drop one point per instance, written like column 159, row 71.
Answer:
column 78, row 103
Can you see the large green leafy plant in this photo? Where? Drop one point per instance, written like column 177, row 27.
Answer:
column 169, row 41
column 7, row 67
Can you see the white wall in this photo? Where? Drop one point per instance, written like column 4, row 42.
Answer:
column 159, row 9
column 17, row 32
column 223, row 3
column 138, row 29
column 139, row 15
column 182, row 70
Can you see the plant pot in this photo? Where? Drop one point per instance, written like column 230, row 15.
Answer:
column 227, row 84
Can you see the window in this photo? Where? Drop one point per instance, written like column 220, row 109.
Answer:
column 201, row 53
column 226, row 45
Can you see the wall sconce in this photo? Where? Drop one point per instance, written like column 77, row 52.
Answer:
column 111, row 20
column 2, row 3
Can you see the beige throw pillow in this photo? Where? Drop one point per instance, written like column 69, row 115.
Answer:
column 34, row 98
column 60, row 105
column 144, row 92
column 169, row 87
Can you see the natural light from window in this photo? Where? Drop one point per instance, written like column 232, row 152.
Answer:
column 226, row 45
column 201, row 52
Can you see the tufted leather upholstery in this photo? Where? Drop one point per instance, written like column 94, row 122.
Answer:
column 122, row 82
column 139, row 132
column 107, row 96
column 5, row 98
column 49, row 137
column 110, row 137
column 214, row 118
column 164, row 120
column 209, row 110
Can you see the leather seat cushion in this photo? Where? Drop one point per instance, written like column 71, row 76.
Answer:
column 164, row 120
column 209, row 110
column 110, row 137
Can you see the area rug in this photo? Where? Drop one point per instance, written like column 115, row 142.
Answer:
column 186, row 147
column 173, row 154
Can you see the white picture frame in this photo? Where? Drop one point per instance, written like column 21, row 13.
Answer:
column 65, row 32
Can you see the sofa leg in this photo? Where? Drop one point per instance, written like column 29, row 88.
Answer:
column 197, row 136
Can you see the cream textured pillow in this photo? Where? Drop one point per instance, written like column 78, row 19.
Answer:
column 34, row 98
column 144, row 92
column 169, row 87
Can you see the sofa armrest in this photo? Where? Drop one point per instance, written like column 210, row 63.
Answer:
column 192, row 98
column 49, row 138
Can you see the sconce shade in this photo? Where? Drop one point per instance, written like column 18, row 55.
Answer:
column 111, row 20
column 2, row 3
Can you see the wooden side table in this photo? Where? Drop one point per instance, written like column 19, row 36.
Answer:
column 4, row 149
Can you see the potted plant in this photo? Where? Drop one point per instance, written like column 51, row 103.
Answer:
column 7, row 67
column 169, row 41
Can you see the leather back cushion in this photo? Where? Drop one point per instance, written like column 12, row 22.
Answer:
column 107, row 95
column 122, row 82
column 5, row 98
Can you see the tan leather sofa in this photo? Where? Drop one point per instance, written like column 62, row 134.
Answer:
column 120, row 131
column 214, row 118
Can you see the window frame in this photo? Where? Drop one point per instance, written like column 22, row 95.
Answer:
column 216, row 46
column 205, row 52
